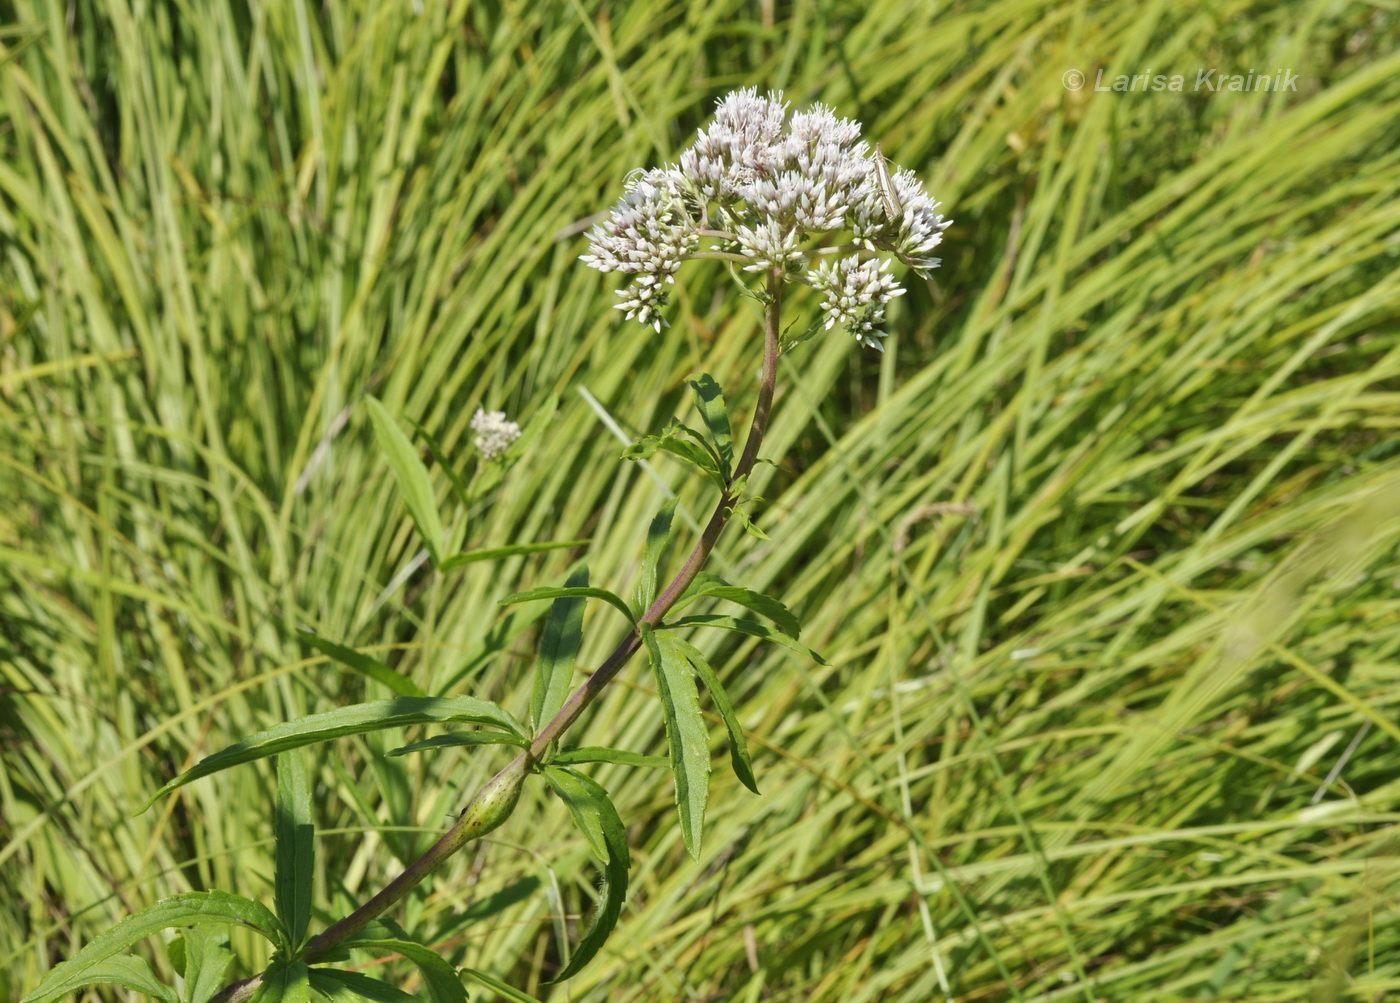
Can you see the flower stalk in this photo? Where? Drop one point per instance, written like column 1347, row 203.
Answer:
column 495, row 802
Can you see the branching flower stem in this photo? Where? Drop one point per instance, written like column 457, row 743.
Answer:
column 494, row 803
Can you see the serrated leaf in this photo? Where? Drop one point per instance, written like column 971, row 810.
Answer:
column 686, row 735
column 698, row 453
column 351, row 987
column 127, row 971
column 189, row 909
column 552, row 592
column 751, row 627
column 498, row 553
column 559, row 647
column 460, row 738
column 285, row 984
column 598, row 754
column 583, row 807
column 296, row 845
column 412, row 477
column 438, row 975
column 602, row 818
column 203, row 963
column 658, row 533
column 354, row 720
column 499, row 987
column 764, row 605
column 738, row 745
column 710, row 401
column 362, row 663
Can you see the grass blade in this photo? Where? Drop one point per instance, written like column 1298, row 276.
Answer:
column 412, row 477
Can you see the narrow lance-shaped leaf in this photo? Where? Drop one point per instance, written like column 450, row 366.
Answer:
column 354, row 720
column 559, row 646
column 438, row 975
column 296, row 845
column 189, row 909
column 353, row 987
column 620, row 757
column 203, row 963
column 587, row 592
column 738, row 746
column 710, row 400
column 363, row 664
column 751, row 627
column 601, row 826
column 289, row 983
column 698, row 453
column 498, row 987
column 458, row 739
column 712, row 586
column 499, row 553
column 658, row 533
column 412, row 477
column 127, row 971
column 686, row 735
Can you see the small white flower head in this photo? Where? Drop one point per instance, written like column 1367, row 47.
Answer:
column 855, row 293
column 494, row 433
column 649, row 233
column 777, row 192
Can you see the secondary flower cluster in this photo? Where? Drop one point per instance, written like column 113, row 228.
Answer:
column 772, row 189
column 494, row 432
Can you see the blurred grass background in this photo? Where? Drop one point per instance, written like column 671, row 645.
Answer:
column 1102, row 551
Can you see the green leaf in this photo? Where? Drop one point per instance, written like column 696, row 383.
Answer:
column 738, row 746
column 551, row 592
column 412, row 476
column 595, row 815
column 296, row 845
column 351, row 987
column 598, row 754
column 438, row 975
column 460, row 738
column 127, row 971
column 749, row 525
column 362, row 663
column 285, row 984
column 710, row 400
column 751, row 627
column 354, row 720
column 658, row 533
column 497, row 553
column 708, row 585
column 559, row 646
column 583, row 806
column 685, row 732
column 499, row 987
column 459, row 486
column 698, row 454
column 202, row 958
column 189, row 909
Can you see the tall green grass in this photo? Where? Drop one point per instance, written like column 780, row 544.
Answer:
column 1102, row 551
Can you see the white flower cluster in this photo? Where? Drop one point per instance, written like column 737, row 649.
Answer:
column 772, row 188
column 494, row 432
column 855, row 292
